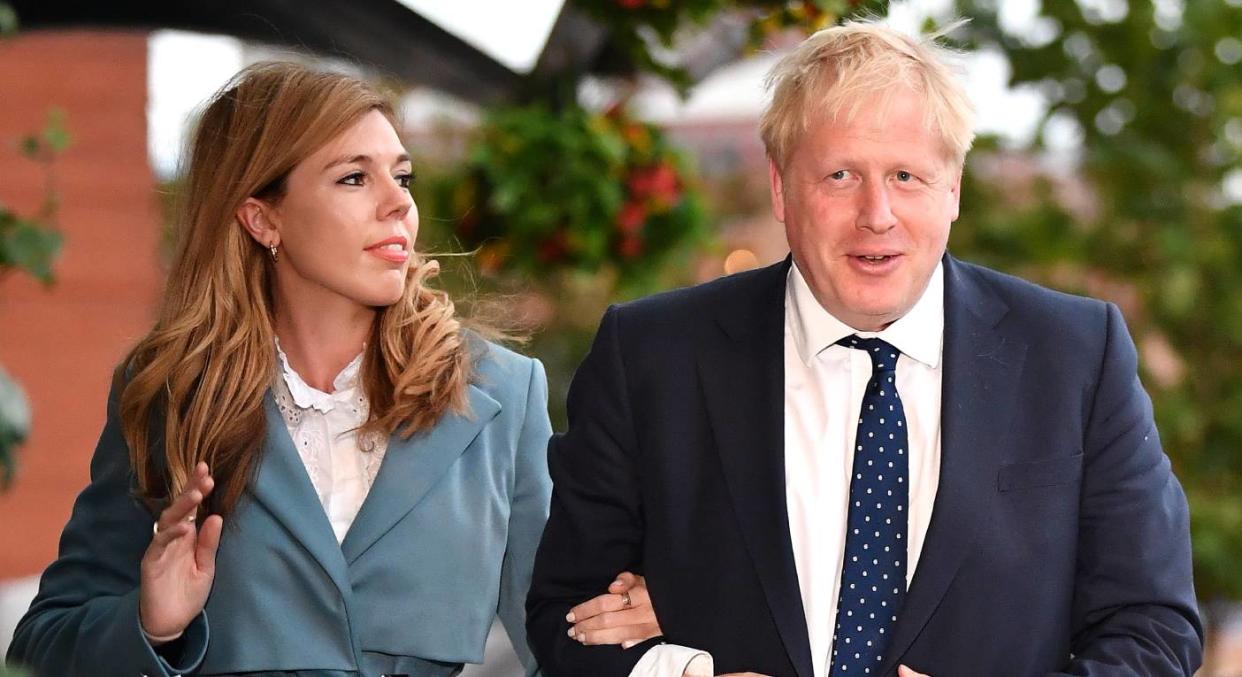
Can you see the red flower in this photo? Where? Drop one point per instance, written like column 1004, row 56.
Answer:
column 658, row 184
column 630, row 4
column 631, row 217
column 630, row 246
column 553, row 249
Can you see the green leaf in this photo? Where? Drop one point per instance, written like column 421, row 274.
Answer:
column 30, row 246
column 8, row 20
column 55, row 133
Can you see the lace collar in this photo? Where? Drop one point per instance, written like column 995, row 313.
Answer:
column 306, row 396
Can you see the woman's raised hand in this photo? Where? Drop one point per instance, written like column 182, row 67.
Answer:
column 180, row 563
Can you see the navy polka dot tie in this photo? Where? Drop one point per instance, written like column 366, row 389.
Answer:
column 873, row 576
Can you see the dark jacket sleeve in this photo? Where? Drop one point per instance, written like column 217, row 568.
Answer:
column 1134, row 602
column 84, row 620
column 595, row 526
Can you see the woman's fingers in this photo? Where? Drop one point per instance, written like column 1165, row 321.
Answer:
column 165, row 536
column 617, row 635
column 180, row 509
column 594, row 607
column 625, row 581
column 208, row 542
column 634, row 584
column 184, row 507
column 615, row 619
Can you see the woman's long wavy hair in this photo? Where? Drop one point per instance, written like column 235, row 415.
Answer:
column 196, row 383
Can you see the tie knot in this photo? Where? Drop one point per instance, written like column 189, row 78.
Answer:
column 883, row 354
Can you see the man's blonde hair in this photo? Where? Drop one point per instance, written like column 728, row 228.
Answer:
column 836, row 70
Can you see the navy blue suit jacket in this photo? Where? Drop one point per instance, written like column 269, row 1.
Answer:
column 1059, row 539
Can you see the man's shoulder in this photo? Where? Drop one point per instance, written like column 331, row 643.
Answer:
column 1041, row 309
column 693, row 303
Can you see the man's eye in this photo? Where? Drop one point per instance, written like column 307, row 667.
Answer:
column 354, row 179
column 903, row 176
column 839, row 175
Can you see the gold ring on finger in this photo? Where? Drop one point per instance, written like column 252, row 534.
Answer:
column 625, row 599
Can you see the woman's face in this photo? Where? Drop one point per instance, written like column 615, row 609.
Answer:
column 347, row 222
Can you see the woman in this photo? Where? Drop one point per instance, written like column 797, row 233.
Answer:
column 342, row 480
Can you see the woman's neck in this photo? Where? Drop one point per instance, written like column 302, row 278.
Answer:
column 320, row 341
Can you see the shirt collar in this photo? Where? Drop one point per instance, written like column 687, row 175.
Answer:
column 306, row 396
column 919, row 334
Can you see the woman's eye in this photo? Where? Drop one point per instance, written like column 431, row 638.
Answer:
column 406, row 180
column 355, row 179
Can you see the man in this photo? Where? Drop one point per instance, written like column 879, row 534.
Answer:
column 870, row 456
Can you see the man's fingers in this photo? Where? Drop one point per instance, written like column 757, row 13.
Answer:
column 903, row 671
column 208, row 542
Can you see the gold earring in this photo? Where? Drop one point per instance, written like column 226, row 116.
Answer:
column 272, row 249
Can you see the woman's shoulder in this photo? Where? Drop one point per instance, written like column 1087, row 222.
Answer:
column 502, row 372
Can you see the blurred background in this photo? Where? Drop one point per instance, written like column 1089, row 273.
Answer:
column 575, row 153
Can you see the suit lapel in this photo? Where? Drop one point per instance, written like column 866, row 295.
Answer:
column 741, row 368
column 982, row 365
column 284, row 488
column 411, row 468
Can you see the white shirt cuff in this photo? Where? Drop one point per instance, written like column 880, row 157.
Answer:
column 673, row 660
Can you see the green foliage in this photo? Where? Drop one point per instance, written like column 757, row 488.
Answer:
column 29, row 245
column 642, row 28
column 547, row 190
column 1157, row 99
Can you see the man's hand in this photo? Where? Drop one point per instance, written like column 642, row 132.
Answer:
column 623, row 615
column 903, row 671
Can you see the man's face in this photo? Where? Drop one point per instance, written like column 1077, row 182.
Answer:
column 867, row 206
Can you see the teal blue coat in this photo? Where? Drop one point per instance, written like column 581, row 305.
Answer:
column 443, row 543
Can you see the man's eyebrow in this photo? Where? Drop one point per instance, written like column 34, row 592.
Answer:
column 361, row 159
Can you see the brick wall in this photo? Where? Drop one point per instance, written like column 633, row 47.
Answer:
column 61, row 343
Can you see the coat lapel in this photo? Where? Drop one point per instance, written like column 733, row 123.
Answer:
column 982, row 365
column 741, row 368
column 411, row 468
column 284, row 488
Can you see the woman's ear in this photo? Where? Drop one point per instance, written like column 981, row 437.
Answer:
column 257, row 217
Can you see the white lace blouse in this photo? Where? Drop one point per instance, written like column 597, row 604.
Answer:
column 323, row 428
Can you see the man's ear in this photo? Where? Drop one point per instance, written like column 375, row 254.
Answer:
column 777, row 186
column 258, row 218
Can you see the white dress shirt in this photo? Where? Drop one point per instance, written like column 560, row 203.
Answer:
column 824, row 387
column 323, row 429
